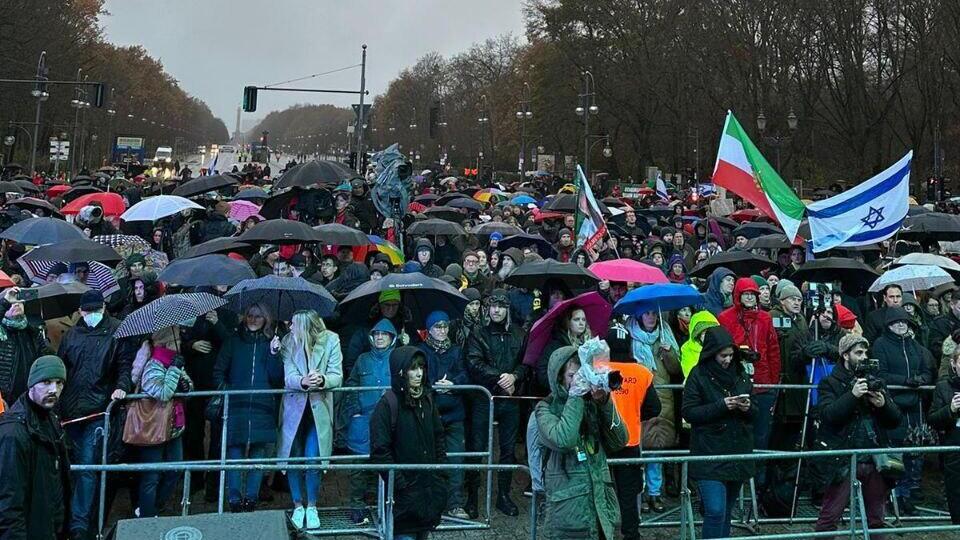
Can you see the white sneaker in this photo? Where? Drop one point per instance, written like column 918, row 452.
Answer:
column 313, row 519
column 298, row 516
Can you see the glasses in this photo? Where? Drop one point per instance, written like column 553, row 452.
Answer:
column 471, row 261
column 441, row 325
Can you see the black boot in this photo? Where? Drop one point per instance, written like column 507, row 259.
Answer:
column 506, row 505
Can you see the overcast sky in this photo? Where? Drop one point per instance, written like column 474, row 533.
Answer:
column 216, row 47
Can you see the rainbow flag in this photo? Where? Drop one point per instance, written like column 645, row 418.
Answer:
column 386, row 247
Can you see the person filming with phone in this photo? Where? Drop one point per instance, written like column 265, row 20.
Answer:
column 855, row 412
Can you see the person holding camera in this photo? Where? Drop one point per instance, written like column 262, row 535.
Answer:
column 904, row 362
column 855, row 412
column 717, row 403
column 578, row 426
column 945, row 416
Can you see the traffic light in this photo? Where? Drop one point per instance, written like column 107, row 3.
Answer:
column 353, row 161
column 249, row 99
column 99, row 95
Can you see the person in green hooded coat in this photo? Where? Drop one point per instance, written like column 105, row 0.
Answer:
column 690, row 350
column 578, row 428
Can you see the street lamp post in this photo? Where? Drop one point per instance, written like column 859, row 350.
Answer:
column 777, row 140
column 586, row 108
column 483, row 120
column 77, row 103
column 39, row 92
column 523, row 114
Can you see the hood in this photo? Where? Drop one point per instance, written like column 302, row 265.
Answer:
column 700, row 322
column 400, row 360
column 678, row 258
column 557, row 360
column 895, row 314
column 911, row 300
column 744, row 285
column 384, row 325
column 516, row 254
column 352, row 276
column 716, row 277
column 424, row 243
column 715, row 340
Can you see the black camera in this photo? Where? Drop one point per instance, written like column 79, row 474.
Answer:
column 749, row 355
column 614, row 380
column 868, row 369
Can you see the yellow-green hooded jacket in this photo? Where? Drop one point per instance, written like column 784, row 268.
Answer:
column 690, row 350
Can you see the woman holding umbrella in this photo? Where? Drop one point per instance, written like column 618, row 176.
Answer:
column 312, row 364
column 143, row 290
column 248, row 360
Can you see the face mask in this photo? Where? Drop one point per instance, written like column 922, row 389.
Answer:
column 93, row 319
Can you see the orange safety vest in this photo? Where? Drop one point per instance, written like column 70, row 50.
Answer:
column 629, row 398
column 2, row 406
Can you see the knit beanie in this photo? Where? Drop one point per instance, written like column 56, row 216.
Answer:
column 850, row 341
column 389, row 295
column 790, row 291
column 45, row 368
column 472, row 294
column 436, row 317
column 760, row 281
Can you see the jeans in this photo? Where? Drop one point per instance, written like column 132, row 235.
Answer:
column 86, row 450
column 156, row 486
column 476, row 439
column 235, row 478
column 507, row 415
column 305, row 444
column 762, row 424
column 718, row 499
column 654, row 477
column 453, row 435
column 837, row 496
column 627, row 483
column 534, row 454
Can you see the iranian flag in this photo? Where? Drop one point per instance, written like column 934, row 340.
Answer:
column 743, row 170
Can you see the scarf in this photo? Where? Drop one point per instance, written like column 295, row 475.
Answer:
column 439, row 346
column 17, row 324
column 726, row 378
column 677, row 278
column 642, row 342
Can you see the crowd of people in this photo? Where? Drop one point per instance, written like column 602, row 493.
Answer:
column 701, row 378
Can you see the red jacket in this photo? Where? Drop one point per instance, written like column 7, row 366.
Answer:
column 753, row 328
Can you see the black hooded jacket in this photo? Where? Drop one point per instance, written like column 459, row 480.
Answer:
column 430, row 269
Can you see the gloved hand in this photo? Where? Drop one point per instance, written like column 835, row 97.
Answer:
column 178, row 361
column 815, row 349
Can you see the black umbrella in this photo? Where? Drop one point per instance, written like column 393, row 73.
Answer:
column 756, row 229
column 533, row 275
column 13, row 165
column 917, row 210
column 855, row 276
column 166, row 311
column 567, row 202
column 312, row 173
column 335, row 234
column 506, row 229
column 221, row 245
column 204, row 184
column 79, row 191
column 436, row 227
column 55, row 300
column 446, row 213
column 468, row 204
column 27, row 186
column 419, row 293
column 426, row 199
column 279, row 231
column 613, row 201
column 251, row 194
column 741, row 263
column 278, row 204
column 43, row 230
column 70, row 251
column 31, row 203
column 769, row 241
column 544, row 249
column 10, row 187
column 446, row 199
column 658, row 212
column 284, row 296
column 931, row 226
column 206, row 270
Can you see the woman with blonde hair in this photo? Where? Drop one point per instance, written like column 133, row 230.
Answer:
column 312, row 365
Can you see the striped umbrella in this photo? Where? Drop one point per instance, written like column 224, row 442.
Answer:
column 167, row 311
column 100, row 277
column 128, row 244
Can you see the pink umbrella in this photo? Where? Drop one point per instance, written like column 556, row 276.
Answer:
column 241, row 210
column 628, row 270
column 596, row 308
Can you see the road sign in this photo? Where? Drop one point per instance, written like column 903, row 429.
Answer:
column 366, row 110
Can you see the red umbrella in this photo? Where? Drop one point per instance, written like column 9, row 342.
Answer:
column 749, row 214
column 628, row 270
column 541, row 216
column 58, row 190
column 112, row 204
column 593, row 305
column 5, row 280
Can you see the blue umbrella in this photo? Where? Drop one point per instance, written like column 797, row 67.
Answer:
column 522, row 199
column 659, row 297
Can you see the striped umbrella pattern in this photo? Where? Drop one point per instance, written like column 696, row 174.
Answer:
column 100, row 277
column 167, row 311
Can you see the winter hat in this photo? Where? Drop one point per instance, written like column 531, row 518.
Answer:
column 472, row 294
column 676, row 258
column 790, row 291
column 498, row 236
column 564, row 231
column 499, row 296
column 46, row 368
column 91, row 300
column 845, row 318
column 850, row 341
column 437, row 317
column 454, row 270
column 760, row 281
column 896, row 314
column 389, row 295
column 222, row 208
column 410, row 267
column 380, row 268
column 515, row 254
column 135, row 258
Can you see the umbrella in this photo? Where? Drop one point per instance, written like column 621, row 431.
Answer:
column 912, row 277
column 657, row 212
column 468, row 204
column 436, row 227
column 241, row 210
column 753, row 230
column 159, row 207
column 42, row 230
column 544, row 249
column 931, row 226
column 100, row 277
column 855, row 276
column 567, row 202
column 614, row 201
column 5, row 280
column 70, row 251
column 506, row 229
column 166, row 311
column 78, row 191
column 533, row 275
column 660, row 297
column 204, row 184
column 419, row 293
column 929, row 259
column 206, row 270
column 446, row 213
column 426, row 198
column 251, row 194
column 278, row 204
column 10, row 187
column 593, row 305
column 221, row 245
column 629, row 271
column 282, row 295
column 741, row 263
column 489, row 194
column 279, row 231
column 111, row 203
column 522, row 200
column 55, row 300
column 446, row 199
column 335, row 234
column 387, row 248
column 57, row 190
column 749, row 214
column 314, row 172
column 769, row 241
column 128, row 244
column 28, row 186
column 31, row 203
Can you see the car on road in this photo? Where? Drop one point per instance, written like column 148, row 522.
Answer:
column 228, row 149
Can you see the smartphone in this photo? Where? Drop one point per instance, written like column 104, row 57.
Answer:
column 26, row 294
column 744, row 397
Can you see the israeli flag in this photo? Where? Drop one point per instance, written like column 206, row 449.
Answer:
column 707, row 189
column 869, row 213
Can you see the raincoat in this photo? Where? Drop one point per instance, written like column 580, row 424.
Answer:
column 690, row 350
column 715, row 301
column 753, row 328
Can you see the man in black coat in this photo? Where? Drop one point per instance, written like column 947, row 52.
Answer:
column 35, row 490
column 852, row 416
column 875, row 322
column 216, row 224
column 21, row 342
column 944, row 326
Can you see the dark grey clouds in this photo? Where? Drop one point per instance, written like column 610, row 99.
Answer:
column 215, row 47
